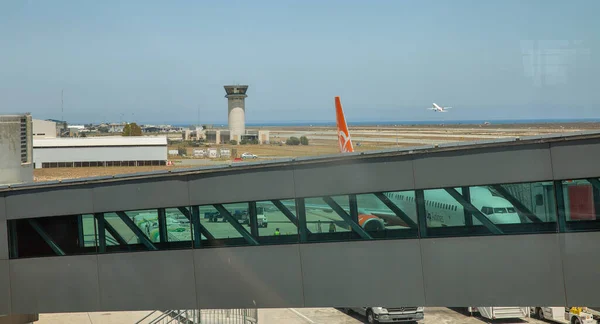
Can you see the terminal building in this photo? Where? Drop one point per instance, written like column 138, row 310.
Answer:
column 99, row 151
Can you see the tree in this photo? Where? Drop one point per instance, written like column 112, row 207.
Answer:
column 303, row 140
column 233, row 142
column 292, row 141
column 181, row 151
column 132, row 129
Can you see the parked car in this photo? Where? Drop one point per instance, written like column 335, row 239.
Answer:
column 247, row 155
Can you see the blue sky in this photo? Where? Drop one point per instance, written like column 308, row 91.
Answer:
column 159, row 61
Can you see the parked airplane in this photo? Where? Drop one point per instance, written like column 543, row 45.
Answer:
column 437, row 108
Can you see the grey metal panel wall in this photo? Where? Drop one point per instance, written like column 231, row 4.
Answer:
column 493, row 271
column 3, row 231
column 2, row 208
column 357, row 177
column 50, row 202
column 241, row 186
column 266, row 276
column 524, row 164
column 355, row 274
column 56, row 284
column 581, row 262
column 141, row 195
column 571, row 161
column 147, row 280
column 4, row 288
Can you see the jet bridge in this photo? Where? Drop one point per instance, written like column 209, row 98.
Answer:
column 518, row 214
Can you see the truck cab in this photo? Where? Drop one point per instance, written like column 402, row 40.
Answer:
column 261, row 217
column 389, row 314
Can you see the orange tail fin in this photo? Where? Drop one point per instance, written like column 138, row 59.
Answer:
column 344, row 140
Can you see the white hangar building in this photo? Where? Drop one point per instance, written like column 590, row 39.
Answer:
column 64, row 152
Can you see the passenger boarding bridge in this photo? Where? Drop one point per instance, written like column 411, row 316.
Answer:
column 500, row 223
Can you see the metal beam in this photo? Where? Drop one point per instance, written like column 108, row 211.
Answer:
column 340, row 211
column 466, row 192
column 421, row 212
column 288, row 213
column 252, row 218
column 560, row 206
column 234, row 222
column 353, row 208
column 194, row 218
column 137, row 231
column 396, row 210
column 14, row 242
column 594, row 182
column 80, row 231
column 113, row 232
column 162, row 225
column 301, row 212
column 515, row 202
column 474, row 211
column 99, row 218
column 197, row 228
column 36, row 226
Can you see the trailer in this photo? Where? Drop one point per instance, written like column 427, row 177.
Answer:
column 500, row 312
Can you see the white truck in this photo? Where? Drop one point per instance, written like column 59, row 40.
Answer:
column 389, row 314
column 500, row 312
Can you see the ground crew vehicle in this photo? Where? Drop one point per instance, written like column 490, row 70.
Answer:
column 582, row 315
column 389, row 314
column 566, row 315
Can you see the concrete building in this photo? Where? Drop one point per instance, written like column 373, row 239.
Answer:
column 236, row 97
column 44, row 129
column 100, row 151
column 15, row 149
column 224, row 136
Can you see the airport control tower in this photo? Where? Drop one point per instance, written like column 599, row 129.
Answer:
column 236, row 96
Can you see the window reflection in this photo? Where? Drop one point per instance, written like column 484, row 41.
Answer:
column 581, row 203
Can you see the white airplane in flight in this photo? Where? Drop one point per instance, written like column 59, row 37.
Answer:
column 437, row 108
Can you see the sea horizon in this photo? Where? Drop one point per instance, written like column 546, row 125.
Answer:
column 409, row 122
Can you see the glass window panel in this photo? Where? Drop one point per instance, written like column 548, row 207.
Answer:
column 178, row 226
column 381, row 222
column 273, row 225
column 581, row 204
column 321, row 218
column 511, row 208
column 224, row 232
column 69, row 234
column 88, row 226
column 145, row 220
column 324, row 224
column 536, row 199
column 442, row 217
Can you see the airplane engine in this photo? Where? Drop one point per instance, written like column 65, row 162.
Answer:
column 371, row 223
